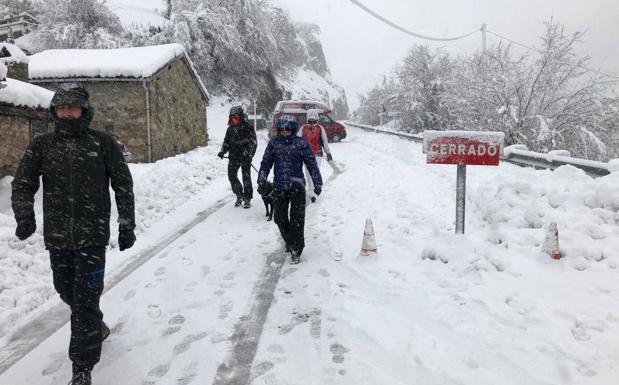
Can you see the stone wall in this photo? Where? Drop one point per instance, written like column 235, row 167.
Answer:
column 120, row 110
column 15, row 134
column 178, row 111
column 17, row 71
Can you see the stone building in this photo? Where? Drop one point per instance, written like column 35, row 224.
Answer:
column 15, row 60
column 23, row 112
column 13, row 26
column 150, row 98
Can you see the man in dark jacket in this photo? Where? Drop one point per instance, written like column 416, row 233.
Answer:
column 287, row 153
column 241, row 143
column 77, row 165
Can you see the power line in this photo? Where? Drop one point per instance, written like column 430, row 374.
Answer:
column 402, row 29
column 540, row 51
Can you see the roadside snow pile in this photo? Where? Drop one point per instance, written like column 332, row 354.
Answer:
column 519, row 210
column 134, row 62
column 25, row 276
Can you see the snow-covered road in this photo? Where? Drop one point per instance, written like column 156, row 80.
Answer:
column 432, row 308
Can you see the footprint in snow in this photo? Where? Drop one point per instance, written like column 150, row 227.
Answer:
column 186, row 344
column 206, row 270
column 57, row 361
column 130, row 294
column 260, row 369
column 324, row 273
column 225, row 308
column 189, row 374
column 154, row 311
column 159, row 371
column 338, row 351
column 176, row 320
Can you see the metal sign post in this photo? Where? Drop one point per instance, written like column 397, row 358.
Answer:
column 462, row 148
column 460, row 198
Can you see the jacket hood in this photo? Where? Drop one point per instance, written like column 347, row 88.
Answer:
column 237, row 110
column 72, row 94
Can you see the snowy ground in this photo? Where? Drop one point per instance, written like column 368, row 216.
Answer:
column 432, row 308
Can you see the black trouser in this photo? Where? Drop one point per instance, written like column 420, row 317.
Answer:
column 245, row 190
column 291, row 225
column 78, row 278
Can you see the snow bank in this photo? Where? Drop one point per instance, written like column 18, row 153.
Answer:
column 16, row 54
column 135, row 62
column 19, row 93
column 518, row 210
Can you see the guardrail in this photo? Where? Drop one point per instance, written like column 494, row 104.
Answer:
column 518, row 154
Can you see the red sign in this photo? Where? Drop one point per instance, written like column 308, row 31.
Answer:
column 463, row 147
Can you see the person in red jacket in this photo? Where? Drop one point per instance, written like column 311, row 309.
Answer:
column 316, row 136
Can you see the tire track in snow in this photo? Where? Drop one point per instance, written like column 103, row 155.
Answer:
column 29, row 336
column 236, row 369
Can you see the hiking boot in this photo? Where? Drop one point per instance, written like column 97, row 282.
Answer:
column 246, row 204
column 105, row 331
column 238, row 202
column 81, row 378
column 295, row 257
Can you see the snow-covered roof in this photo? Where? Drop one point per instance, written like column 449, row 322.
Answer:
column 19, row 93
column 10, row 53
column 134, row 62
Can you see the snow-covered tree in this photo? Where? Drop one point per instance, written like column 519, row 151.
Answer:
column 77, row 24
column 546, row 99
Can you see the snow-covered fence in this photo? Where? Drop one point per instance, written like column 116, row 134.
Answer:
column 518, row 154
column 413, row 137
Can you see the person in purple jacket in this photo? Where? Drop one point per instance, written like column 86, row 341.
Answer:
column 287, row 153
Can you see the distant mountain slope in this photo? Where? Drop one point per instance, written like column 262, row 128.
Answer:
column 144, row 12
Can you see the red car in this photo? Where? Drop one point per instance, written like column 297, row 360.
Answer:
column 298, row 108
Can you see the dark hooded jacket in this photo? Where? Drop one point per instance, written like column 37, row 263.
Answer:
column 77, row 165
column 288, row 154
column 240, row 140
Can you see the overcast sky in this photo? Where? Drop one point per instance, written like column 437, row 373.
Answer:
column 359, row 48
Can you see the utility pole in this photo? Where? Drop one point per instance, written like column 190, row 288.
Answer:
column 483, row 38
column 255, row 117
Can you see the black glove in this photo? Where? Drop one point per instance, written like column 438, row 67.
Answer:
column 221, row 154
column 317, row 190
column 261, row 188
column 329, row 158
column 126, row 239
column 25, row 228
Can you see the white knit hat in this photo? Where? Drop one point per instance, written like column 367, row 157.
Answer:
column 312, row 114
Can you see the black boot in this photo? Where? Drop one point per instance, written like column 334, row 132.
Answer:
column 105, row 331
column 238, row 202
column 295, row 257
column 246, row 204
column 81, row 378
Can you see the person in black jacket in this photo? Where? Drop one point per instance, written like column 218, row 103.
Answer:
column 241, row 143
column 286, row 153
column 77, row 165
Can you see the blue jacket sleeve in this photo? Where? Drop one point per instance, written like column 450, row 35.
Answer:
column 266, row 164
column 310, row 162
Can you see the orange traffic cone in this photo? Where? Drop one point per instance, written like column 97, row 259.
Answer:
column 368, row 247
column 551, row 243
